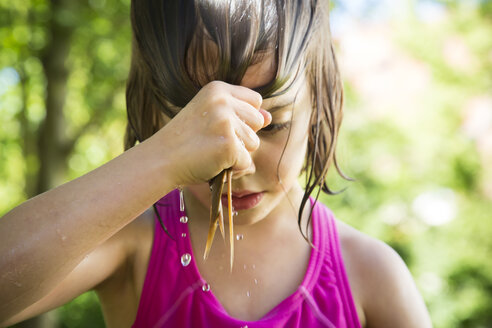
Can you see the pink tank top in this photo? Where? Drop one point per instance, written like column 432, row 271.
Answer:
column 173, row 293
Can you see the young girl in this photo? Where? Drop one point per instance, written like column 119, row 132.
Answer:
column 247, row 85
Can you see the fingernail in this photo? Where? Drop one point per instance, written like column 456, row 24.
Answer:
column 267, row 117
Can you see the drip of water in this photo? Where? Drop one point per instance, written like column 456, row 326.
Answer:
column 185, row 259
column 204, row 114
column 253, row 266
column 181, row 200
column 183, row 235
column 183, row 219
column 239, row 236
column 206, row 287
column 256, row 281
column 244, row 267
column 62, row 236
column 248, row 293
column 235, row 213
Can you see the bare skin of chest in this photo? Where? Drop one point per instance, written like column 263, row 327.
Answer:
column 265, row 272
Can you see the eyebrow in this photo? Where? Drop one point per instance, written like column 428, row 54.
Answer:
column 282, row 105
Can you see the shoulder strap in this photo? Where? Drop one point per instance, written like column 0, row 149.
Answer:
column 341, row 275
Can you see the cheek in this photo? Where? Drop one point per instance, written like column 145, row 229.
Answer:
column 293, row 159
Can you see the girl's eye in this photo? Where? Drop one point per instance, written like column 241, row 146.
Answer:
column 274, row 127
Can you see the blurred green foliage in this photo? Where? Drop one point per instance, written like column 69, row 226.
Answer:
column 82, row 312
column 395, row 160
column 398, row 163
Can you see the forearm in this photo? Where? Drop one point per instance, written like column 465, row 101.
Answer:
column 43, row 239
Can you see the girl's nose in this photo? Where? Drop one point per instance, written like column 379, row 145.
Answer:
column 250, row 170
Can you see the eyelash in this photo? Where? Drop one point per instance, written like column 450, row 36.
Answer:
column 272, row 128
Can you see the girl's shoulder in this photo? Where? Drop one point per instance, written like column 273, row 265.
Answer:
column 380, row 281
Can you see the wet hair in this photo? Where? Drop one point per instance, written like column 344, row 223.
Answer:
column 181, row 45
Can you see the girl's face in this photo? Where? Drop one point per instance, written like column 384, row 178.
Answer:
column 271, row 180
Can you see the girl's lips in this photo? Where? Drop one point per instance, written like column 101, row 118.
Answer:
column 243, row 201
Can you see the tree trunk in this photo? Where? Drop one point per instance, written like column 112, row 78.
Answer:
column 52, row 140
column 52, row 137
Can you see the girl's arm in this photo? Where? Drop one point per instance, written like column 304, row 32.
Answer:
column 45, row 238
column 116, row 258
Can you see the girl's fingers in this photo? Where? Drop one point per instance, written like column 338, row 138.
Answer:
column 243, row 159
column 247, row 136
column 249, row 115
column 267, row 117
column 245, row 94
column 225, row 119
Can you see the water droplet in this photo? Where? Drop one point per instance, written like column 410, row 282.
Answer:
column 244, row 266
column 183, row 219
column 206, row 287
column 253, row 266
column 185, row 259
column 248, row 293
column 244, row 326
column 17, row 284
column 235, row 213
column 239, row 236
column 204, row 114
column 256, row 281
column 62, row 236
column 181, row 200
column 183, row 235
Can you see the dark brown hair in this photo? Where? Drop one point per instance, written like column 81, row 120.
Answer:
column 180, row 45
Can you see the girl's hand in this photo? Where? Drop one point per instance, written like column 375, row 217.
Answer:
column 216, row 130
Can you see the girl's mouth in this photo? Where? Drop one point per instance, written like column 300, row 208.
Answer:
column 243, row 200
